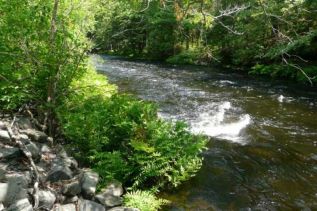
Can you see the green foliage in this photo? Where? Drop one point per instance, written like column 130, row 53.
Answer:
column 161, row 37
column 41, row 50
column 199, row 32
column 284, row 71
column 123, row 139
column 185, row 57
column 144, row 200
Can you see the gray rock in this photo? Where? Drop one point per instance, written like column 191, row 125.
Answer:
column 34, row 150
column 23, row 123
column 72, row 189
column 89, row 182
column 3, row 171
column 69, row 200
column 114, row 189
column 21, row 205
column 45, row 149
column 3, row 125
column 59, row 173
column 24, row 137
column 4, row 136
column 123, row 209
column 87, row 205
column 46, row 199
column 16, row 189
column 9, row 153
column 110, row 196
column 71, row 162
column 35, row 135
column 109, row 200
column 65, row 207
column 4, row 187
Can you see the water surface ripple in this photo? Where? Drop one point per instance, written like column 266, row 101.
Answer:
column 263, row 150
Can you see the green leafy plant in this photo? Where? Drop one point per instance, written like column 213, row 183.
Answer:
column 123, row 139
column 144, row 200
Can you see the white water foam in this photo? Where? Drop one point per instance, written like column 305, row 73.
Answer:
column 212, row 124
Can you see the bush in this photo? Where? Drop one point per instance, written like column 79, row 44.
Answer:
column 143, row 200
column 123, row 139
column 185, row 57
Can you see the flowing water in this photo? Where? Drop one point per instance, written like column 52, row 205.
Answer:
column 263, row 149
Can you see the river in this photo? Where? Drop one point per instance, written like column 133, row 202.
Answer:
column 262, row 153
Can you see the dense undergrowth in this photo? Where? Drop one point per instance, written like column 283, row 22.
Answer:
column 122, row 138
column 44, row 75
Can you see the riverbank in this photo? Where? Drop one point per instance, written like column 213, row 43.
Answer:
column 38, row 174
column 266, row 71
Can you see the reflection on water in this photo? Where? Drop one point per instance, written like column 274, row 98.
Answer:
column 263, row 150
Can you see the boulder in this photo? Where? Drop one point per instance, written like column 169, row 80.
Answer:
column 59, row 173
column 4, row 187
column 3, row 125
column 23, row 138
column 23, row 123
column 109, row 200
column 87, row 205
column 110, row 196
column 72, row 189
column 71, row 163
column 3, row 171
column 114, row 189
column 65, row 207
column 21, row 205
column 35, row 135
column 46, row 199
column 16, row 188
column 45, row 149
column 4, row 136
column 69, row 200
column 34, row 150
column 123, row 209
column 89, row 182
column 9, row 153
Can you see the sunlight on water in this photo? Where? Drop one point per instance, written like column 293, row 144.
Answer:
column 214, row 125
column 269, row 161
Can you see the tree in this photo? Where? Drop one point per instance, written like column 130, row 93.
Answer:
column 43, row 46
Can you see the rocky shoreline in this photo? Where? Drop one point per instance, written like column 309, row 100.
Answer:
column 37, row 174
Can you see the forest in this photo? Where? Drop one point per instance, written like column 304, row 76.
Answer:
column 46, row 74
column 274, row 38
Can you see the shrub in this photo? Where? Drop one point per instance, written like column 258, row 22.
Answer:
column 123, row 139
column 144, row 200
